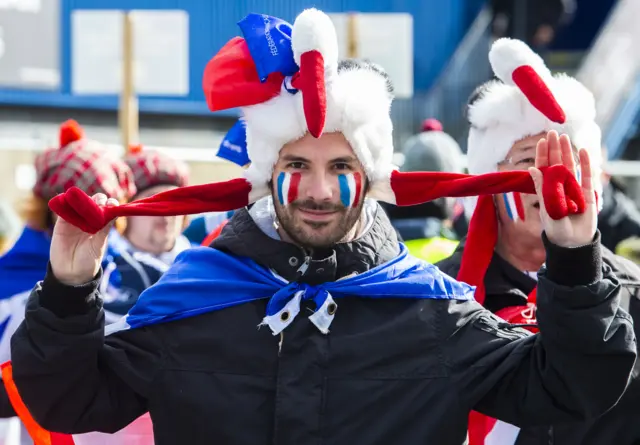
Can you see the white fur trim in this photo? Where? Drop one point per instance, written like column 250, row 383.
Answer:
column 258, row 190
column 508, row 54
column 381, row 189
column 314, row 30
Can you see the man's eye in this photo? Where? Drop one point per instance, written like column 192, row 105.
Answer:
column 342, row 166
column 526, row 161
column 295, row 165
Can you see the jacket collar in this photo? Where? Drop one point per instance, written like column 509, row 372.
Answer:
column 252, row 234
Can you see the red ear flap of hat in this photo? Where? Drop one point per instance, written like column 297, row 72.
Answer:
column 70, row 131
column 231, row 79
column 478, row 250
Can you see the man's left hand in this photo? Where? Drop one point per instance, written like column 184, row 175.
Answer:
column 573, row 230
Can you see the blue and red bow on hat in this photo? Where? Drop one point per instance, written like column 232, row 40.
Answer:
column 251, row 70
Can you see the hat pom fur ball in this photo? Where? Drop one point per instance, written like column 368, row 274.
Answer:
column 313, row 30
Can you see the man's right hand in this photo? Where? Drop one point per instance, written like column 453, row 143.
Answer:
column 76, row 256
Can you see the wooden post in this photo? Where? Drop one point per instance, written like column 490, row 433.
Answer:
column 352, row 36
column 128, row 111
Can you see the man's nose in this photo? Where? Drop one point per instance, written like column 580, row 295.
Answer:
column 320, row 187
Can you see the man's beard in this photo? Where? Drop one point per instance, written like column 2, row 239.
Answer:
column 312, row 233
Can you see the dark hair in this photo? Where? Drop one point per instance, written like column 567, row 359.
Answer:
column 364, row 64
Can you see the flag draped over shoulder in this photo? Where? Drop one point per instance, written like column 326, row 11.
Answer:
column 205, row 279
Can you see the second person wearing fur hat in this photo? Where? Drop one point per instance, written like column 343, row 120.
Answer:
column 509, row 122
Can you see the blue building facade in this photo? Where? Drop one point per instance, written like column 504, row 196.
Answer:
column 438, row 28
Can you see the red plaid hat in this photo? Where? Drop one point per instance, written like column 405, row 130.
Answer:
column 81, row 163
column 151, row 168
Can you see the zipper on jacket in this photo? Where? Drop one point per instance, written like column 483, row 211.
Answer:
column 280, row 343
column 305, row 265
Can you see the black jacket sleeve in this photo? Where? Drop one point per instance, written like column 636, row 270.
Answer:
column 577, row 367
column 72, row 378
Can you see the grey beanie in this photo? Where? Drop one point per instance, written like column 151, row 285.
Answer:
column 433, row 151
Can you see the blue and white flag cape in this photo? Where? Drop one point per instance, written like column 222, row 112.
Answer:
column 25, row 263
column 204, row 280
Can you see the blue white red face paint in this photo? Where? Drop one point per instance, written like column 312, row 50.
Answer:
column 350, row 185
column 288, row 185
column 350, row 189
column 514, row 206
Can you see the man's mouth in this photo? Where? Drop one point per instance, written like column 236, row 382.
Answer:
column 316, row 215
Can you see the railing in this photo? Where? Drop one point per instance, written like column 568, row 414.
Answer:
column 468, row 68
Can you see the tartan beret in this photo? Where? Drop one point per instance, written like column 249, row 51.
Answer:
column 151, row 168
column 81, row 163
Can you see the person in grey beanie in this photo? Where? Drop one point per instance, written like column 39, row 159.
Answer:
column 427, row 229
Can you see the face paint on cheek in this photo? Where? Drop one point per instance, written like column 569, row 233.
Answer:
column 350, row 189
column 514, row 206
column 287, row 185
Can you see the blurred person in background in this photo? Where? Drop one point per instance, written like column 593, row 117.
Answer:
column 534, row 21
column 507, row 131
column 620, row 217
column 427, row 229
column 459, row 223
column 9, row 226
column 79, row 162
column 144, row 248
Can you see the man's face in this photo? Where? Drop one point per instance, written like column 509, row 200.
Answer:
column 154, row 234
column 318, row 188
column 522, row 156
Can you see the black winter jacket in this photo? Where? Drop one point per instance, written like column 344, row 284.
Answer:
column 506, row 286
column 390, row 371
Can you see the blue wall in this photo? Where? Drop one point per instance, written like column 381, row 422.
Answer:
column 438, row 27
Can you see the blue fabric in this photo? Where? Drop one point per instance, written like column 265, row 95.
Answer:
column 269, row 41
column 128, row 272
column 201, row 226
column 25, row 264
column 234, row 145
column 204, row 280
